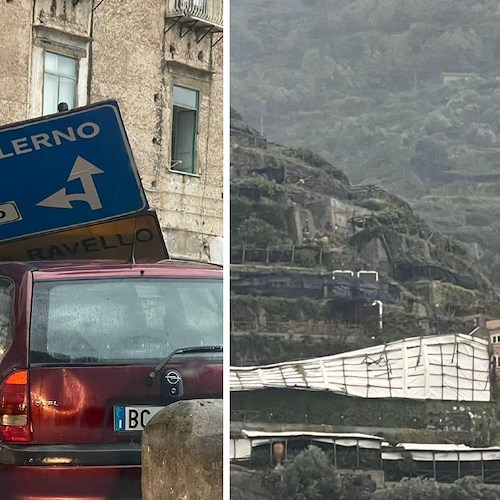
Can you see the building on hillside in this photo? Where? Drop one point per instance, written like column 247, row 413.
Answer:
column 162, row 61
column 443, row 462
column 450, row 78
column 352, row 452
column 477, row 324
column 493, row 328
column 349, row 452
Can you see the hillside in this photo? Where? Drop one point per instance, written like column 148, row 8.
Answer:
column 296, row 221
column 404, row 95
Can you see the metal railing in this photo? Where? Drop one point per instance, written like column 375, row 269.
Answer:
column 209, row 11
column 305, row 256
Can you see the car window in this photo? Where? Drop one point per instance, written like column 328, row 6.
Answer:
column 123, row 320
column 6, row 304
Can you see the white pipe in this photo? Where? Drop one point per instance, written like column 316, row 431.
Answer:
column 380, row 313
column 340, row 272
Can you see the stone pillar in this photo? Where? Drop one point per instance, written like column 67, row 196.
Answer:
column 182, row 452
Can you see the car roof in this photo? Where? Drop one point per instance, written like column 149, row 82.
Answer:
column 64, row 268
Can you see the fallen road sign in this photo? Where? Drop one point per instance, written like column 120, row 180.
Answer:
column 67, row 170
column 135, row 238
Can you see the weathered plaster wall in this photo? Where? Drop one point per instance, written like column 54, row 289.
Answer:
column 64, row 15
column 15, row 44
column 144, row 66
column 126, row 66
column 192, row 214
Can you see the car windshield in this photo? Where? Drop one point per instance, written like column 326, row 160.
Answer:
column 131, row 320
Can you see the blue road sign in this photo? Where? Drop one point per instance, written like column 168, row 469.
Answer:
column 67, row 170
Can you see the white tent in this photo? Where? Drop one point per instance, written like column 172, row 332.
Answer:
column 241, row 448
column 452, row 367
column 443, row 452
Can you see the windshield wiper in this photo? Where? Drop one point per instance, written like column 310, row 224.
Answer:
column 182, row 350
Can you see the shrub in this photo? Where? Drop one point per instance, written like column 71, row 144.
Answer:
column 310, row 476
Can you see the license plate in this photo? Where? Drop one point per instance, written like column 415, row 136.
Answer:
column 134, row 418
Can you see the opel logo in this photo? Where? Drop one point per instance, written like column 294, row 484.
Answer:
column 172, row 377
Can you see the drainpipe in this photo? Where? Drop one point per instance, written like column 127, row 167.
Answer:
column 380, row 313
column 90, row 50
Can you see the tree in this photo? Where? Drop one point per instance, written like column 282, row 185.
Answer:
column 412, row 489
column 455, row 50
column 357, row 486
column 311, row 476
column 466, row 488
column 255, row 232
column 430, row 160
column 471, row 488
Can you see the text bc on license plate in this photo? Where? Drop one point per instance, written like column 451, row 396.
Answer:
column 134, row 418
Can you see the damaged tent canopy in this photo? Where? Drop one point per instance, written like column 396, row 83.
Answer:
column 452, row 367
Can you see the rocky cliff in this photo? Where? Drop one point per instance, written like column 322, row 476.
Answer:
column 320, row 266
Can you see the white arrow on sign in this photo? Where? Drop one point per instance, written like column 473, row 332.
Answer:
column 83, row 170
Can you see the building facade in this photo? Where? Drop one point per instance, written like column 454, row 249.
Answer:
column 162, row 61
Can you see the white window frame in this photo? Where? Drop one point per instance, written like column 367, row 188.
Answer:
column 173, row 164
column 51, row 40
column 58, row 79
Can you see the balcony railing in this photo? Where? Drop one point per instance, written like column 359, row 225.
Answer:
column 207, row 12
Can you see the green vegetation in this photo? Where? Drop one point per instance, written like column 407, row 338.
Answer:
column 473, row 423
column 427, row 489
column 404, row 95
column 400, row 97
column 285, row 244
column 311, row 476
column 247, row 308
column 248, row 350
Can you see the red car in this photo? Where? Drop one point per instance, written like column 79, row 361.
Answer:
column 89, row 351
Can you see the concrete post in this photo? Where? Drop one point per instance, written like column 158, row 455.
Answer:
column 182, row 452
